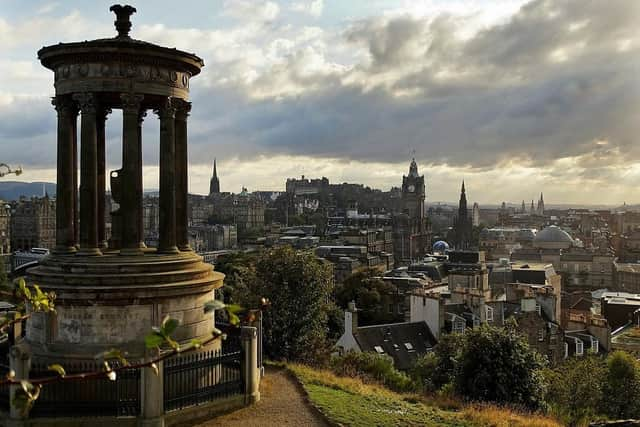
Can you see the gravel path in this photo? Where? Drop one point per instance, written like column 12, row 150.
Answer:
column 282, row 403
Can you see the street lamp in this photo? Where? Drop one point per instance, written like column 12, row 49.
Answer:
column 8, row 170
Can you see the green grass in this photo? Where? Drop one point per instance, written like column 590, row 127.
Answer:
column 352, row 402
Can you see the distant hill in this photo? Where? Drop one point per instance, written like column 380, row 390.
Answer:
column 13, row 190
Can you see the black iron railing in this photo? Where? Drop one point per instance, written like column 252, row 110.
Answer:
column 197, row 378
column 95, row 397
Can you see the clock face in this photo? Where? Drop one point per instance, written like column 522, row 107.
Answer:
column 411, row 188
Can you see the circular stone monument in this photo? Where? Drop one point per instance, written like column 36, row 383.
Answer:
column 110, row 294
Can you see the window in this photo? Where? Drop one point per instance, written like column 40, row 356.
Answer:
column 541, row 334
column 489, row 314
column 595, row 345
column 408, row 346
column 458, row 326
column 538, row 309
column 566, row 350
column 579, row 348
column 378, row 349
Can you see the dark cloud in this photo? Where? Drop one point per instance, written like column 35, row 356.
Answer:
column 556, row 77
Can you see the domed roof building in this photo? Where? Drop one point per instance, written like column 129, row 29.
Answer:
column 553, row 237
column 440, row 247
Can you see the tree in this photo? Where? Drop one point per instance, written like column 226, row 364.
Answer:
column 621, row 388
column 497, row 365
column 372, row 296
column 239, row 271
column 298, row 287
column 434, row 370
column 575, row 388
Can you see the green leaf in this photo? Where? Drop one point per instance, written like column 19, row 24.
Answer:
column 213, row 305
column 153, row 340
column 169, row 325
column 57, row 368
column 23, row 289
column 114, row 353
column 234, row 308
column 196, row 343
column 234, row 319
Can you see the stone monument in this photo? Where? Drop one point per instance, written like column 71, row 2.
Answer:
column 110, row 294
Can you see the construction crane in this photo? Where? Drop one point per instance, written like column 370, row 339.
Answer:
column 5, row 169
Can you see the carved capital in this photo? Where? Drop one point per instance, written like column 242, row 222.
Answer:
column 141, row 115
column 64, row 106
column 182, row 109
column 167, row 109
column 102, row 114
column 86, row 101
column 131, row 102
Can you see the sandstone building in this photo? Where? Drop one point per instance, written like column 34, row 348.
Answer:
column 33, row 223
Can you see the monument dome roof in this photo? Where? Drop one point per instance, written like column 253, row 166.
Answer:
column 553, row 235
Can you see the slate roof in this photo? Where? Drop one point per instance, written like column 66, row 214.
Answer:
column 393, row 339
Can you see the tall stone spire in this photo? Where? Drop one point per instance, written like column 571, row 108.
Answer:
column 462, row 207
column 214, row 185
column 462, row 224
column 540, row 210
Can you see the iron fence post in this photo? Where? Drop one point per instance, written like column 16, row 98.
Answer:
column 20, row 363
column 152, row 383
column 250, row 371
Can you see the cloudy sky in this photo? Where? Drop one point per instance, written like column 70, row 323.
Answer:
column 514, row 96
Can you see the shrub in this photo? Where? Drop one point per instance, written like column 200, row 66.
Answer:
column 575, row 389
column 621, row 388
column 497, row 365
column 373, row 367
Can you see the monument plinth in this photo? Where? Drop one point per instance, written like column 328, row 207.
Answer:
column 110, row 294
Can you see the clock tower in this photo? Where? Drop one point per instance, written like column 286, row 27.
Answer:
column 411, row 237
column 413, row 193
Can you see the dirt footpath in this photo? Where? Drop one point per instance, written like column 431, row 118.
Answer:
column 281, row 404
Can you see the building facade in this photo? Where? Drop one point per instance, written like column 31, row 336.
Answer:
column 5, row 228
column 33, row 223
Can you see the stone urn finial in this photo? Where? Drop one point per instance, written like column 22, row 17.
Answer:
column 123, row 22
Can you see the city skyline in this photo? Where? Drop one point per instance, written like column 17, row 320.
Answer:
column 514, row 101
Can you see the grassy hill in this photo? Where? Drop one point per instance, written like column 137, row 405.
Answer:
column 352, row 402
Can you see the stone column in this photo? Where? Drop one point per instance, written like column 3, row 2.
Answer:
column 152, row 395
column 167, row 217
column 141, row 117
column 132, row 175
column 250, row 371
column 88, row 175
column 182, row 177
column 65, row 208
column 101, row 118
column 76, row 206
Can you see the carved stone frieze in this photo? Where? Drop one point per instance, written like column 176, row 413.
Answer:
column 121, row 70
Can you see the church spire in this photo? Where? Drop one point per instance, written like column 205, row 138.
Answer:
column 214, row 185
column 462, row 207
